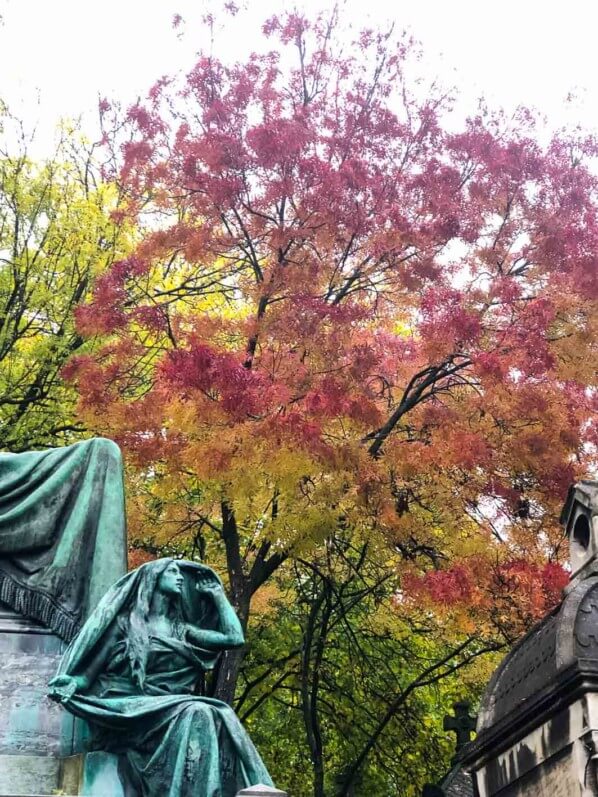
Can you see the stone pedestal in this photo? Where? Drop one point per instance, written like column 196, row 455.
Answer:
column 35, row 733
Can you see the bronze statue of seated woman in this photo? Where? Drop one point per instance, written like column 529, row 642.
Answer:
column 133, row 671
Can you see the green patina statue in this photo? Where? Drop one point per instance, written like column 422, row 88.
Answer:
column 62, row 531
column 133, row 672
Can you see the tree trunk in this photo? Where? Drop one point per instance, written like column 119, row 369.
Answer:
column 242, row 587
column 229, row 666
column 314, row 641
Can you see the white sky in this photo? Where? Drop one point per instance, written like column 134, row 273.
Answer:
column 57, row 56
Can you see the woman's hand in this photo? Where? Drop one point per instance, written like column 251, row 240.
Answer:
column 63, row 687
column 207, row 584
column 229, row 633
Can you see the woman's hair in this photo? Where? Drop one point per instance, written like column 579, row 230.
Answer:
column 136, row 624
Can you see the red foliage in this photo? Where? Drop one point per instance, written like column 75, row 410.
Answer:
column 137, row 557
column 512, row 594
column 326, row 271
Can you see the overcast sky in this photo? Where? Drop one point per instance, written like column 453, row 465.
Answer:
column 56, row 56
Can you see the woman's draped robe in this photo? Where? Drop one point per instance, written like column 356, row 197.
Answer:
column 172, row 742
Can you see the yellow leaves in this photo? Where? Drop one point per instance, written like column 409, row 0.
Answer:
column 304, row 511
column 575, row 340
column 182, row 416
column 59, row 235
column 263, row 601
column 402, row 327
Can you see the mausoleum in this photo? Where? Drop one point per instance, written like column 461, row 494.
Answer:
column 537, row 733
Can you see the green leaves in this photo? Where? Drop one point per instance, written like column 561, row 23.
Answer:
column 56, row 235
column 343, row 687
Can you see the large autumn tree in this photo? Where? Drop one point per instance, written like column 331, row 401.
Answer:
column 346, row 318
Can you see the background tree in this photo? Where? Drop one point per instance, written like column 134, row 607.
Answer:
column 347, row 682
column 345, row 320
column 55, row 237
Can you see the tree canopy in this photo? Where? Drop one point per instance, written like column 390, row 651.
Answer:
column 343, row 312
column 347, row 326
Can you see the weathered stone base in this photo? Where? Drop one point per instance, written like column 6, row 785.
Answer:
column 31, row 723
column 36, row 735
column 88, row 775
column 34, row 775
column 28, row 774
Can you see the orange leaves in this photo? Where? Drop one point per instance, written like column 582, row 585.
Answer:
column 137, row 557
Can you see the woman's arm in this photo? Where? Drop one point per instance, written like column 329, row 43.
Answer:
column 229, row 633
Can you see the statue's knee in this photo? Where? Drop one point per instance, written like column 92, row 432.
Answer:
column 197, row 713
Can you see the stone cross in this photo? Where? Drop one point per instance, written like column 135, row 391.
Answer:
column 462, row 724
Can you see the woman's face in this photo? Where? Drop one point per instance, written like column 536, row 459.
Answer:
column 171, row 580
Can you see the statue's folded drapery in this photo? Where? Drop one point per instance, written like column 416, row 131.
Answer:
column 178, row 745
column 171, row 741
column 62, row 531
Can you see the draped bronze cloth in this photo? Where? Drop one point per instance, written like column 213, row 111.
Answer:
column 62, row 531
column 171, row 742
